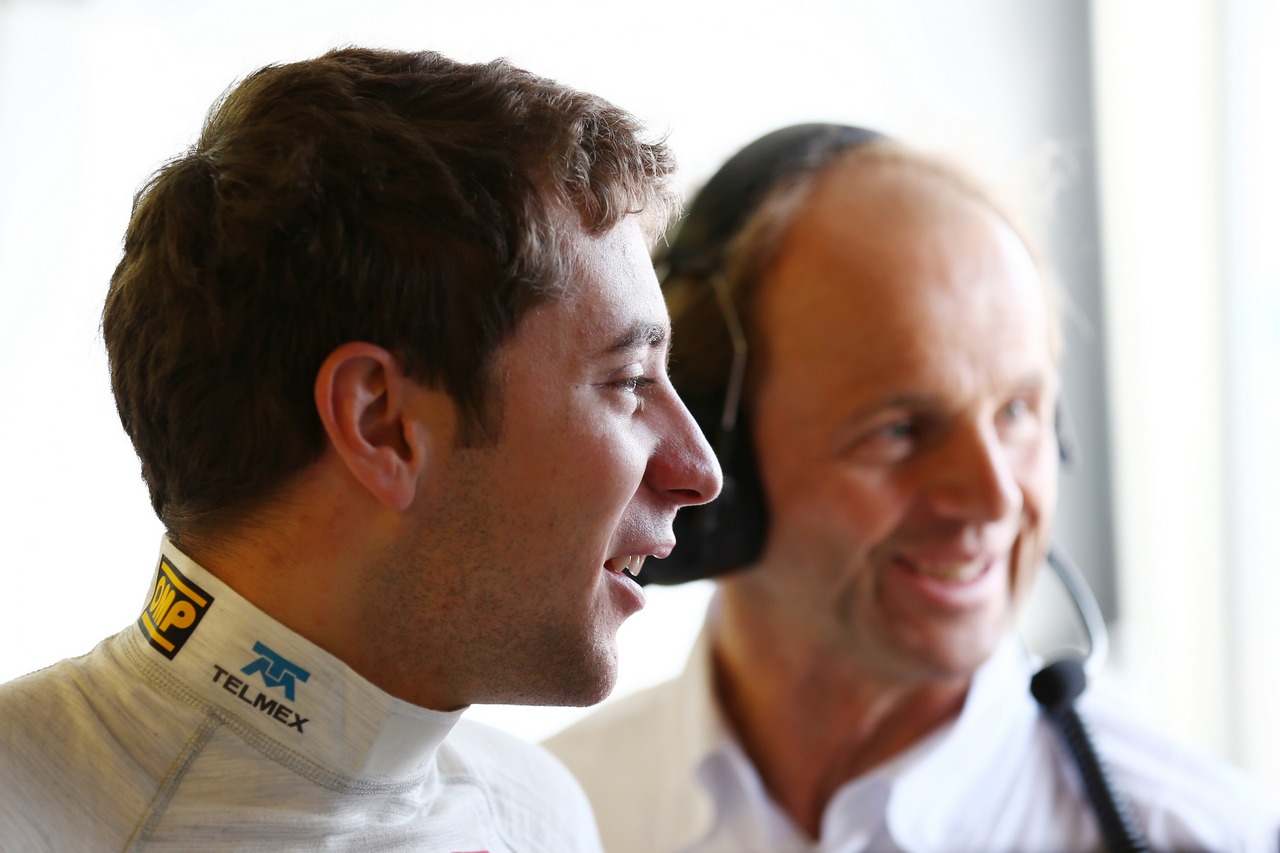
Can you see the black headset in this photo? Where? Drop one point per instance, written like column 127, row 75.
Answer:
column 729, row 532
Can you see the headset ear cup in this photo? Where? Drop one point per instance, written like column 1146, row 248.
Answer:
column 686, row 562
column 723, row 535
column 735, row 535
column 729, row 533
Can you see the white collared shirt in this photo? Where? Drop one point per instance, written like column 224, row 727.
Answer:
column 208, row 725
column 665, row 775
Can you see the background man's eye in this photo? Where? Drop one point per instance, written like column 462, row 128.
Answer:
column 899, row 429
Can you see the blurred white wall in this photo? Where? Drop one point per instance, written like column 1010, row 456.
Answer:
column 1188, row 106
column 94, row 95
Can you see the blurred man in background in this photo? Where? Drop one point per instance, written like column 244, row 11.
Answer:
column 873, row 349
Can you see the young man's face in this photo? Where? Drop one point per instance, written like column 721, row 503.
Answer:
column 595, row 453
column 904, row 429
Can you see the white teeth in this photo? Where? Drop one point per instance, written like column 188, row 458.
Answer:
column 630, row 564
column 954, row 572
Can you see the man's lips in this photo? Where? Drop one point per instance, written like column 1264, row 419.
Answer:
column 949, row 571
column 629, row 564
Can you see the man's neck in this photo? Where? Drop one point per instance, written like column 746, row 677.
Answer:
column 809, row 725
column 308, row 563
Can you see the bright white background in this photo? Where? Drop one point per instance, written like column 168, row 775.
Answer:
column 94, row 95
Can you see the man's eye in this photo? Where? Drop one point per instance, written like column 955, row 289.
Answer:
column 1019, row 412
column 1015, row 409
column 898, row 430
column 886, row 443
column 634, row 384
column 635, row 387
column 1018, row 420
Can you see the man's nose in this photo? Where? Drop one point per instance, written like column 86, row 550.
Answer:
column 684, row 467
column 975, row 479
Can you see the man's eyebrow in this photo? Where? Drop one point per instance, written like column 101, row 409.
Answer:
column 1034, row 381
column 637, row 335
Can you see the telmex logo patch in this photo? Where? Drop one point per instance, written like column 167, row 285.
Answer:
column 176, row 608
column 276, row 671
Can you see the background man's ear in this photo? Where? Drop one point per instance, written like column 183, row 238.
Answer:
column 363, row 398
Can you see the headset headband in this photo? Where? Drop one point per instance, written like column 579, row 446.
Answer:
column 728, row 200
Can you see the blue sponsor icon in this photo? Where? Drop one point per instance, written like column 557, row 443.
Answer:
column 276, row 671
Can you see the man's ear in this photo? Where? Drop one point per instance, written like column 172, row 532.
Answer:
column 363, row 398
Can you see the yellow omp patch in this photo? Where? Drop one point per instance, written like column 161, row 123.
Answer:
column 176, row 608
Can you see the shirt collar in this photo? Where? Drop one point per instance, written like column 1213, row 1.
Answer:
column 935, row 777
column 202, row 638
column 947, row 778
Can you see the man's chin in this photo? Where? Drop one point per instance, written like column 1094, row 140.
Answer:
column 567, row 685
column 965, row 657
column 597, row 680
column 953, row 655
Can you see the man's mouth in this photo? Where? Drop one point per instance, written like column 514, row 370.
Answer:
column 950, row 572
column 629, row 564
